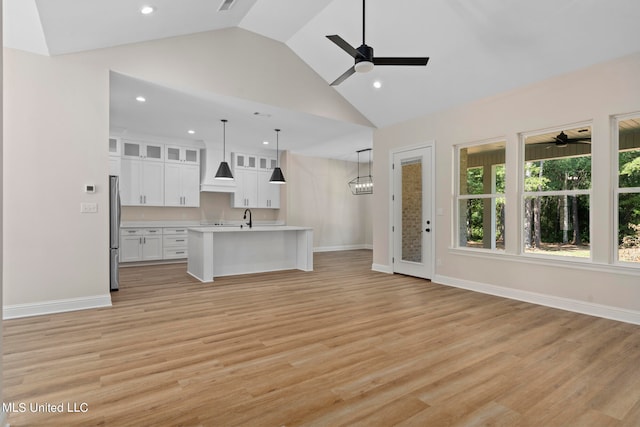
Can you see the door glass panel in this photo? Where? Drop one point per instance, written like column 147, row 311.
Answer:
column 412, row 210
column 113, row 145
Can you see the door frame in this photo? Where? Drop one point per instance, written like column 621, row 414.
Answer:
column 432, row 177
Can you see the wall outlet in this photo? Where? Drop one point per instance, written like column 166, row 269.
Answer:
column 88, row 207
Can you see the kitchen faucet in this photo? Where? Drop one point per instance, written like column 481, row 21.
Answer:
column 250, row 223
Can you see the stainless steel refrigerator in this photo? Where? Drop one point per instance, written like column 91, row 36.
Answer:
column 114, row 232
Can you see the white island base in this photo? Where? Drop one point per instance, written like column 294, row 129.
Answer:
column 225, row 251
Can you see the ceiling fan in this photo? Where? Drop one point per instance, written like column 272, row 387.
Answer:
column 364, row 58
column 562, row 140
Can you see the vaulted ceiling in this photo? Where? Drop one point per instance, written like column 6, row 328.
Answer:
column 476, row 48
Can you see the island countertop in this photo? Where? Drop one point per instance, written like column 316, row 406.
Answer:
column 227, row 250
column 237, row 228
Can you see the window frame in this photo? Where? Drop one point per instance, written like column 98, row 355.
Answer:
column 493, row 196
column 523, row 195
column 617, row 190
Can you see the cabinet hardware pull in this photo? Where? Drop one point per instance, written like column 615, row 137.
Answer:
column 181, row 252
column 181, row 240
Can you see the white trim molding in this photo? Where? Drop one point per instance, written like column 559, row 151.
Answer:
column 55, row 306
column 341, row 248
column 577, row 306
column 382, row 268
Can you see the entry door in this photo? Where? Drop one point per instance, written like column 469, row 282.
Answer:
column 412, row 212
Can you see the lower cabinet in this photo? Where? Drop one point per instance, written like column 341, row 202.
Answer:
column 151, row 244
column 174, row 242
column 140, row 244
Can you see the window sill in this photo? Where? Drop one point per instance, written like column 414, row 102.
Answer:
column 548, row 261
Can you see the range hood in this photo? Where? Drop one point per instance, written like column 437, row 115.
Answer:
column 210, row 158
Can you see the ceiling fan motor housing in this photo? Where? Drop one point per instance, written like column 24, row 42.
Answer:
column 364, row 62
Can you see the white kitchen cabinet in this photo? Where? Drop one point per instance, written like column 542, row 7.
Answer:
column 268, row 194
column 182, row 185
column 141, row 182
column 140, row 244
column 245, row 161
column 142, row 150
column 267, row 163
column 174, row 243
column 114, row 156
column 246, row 194
column 183, row 155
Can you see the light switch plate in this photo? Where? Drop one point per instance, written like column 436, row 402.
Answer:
column 88, row 207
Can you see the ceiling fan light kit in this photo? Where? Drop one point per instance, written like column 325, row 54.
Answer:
column 364, row 57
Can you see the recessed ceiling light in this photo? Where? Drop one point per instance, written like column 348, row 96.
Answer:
column 146, row 10
column 191, row 131
column 141, row 99
column 377, row 84
column 265, row 142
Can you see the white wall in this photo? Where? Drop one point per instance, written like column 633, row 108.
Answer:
column 324, row 201
column 593, row 94
column 56, row 131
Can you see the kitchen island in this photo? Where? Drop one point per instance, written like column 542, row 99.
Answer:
column 222, row 251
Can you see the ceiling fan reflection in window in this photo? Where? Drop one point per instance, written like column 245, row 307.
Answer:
column 563, row 140
column 364, row 58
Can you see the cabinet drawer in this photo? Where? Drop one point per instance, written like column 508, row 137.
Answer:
column 141, row 231
column 175, row 241
column 131, row 232
column 177, row 230
column 175, row 253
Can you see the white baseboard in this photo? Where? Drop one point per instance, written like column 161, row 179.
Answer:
column 382, row 268
column 577, row 306
column 55, row 306
column 341, row 248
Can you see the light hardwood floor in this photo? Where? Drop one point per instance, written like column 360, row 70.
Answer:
column 338, row 346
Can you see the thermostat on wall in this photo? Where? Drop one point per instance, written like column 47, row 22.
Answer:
column 89, row 188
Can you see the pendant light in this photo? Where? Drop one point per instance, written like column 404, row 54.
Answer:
column 224, row 171
column 362, row 184
column 277, row 177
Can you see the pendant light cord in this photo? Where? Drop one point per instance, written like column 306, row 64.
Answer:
column 224, row 138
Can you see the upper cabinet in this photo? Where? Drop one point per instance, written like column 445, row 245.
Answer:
column 253, row 190
column 245, row 161
column 154, row 174
column 142, row 150
column 186, row 155
column 266, row 163
column 115, row 151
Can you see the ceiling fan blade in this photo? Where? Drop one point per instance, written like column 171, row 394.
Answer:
column 344, row 76
column 400, row 61
column 345, row 46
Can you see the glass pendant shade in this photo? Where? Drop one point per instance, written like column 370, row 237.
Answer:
column 277, row 177
column 224, row 171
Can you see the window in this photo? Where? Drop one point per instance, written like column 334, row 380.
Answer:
column 628, row 190
column 556, row 193
column 480, row 196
